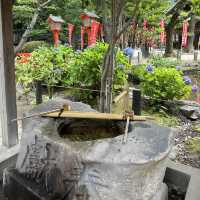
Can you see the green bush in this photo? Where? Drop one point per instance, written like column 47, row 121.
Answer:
column 86, row 70
column 87, row 67
column 47, row 64
column 162, row 82
column 29, row 47
column 62, row 66
column 160, row 61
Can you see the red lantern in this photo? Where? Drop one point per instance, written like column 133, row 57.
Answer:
column 55, row 24
column 91, row 26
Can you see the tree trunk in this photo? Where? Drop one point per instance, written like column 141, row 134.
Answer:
column 108, row 67
column 106, row 81
column 169, row 35
column 106, row 25
column 191, row 34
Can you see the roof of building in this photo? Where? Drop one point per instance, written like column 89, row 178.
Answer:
column 91, row 14
column 56, row 19
column 180, row 4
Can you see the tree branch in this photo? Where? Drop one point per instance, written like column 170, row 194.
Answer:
column 127, row 24
column 31, row 26
column 45, row 4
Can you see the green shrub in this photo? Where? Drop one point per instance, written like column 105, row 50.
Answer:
column 160, row 61
column 29, row 47
column 162, row 83
column 65, row 67
column 86, row 71
column 87, row 67
column 47, row 64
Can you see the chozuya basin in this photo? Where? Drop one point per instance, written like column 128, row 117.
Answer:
column 100, row 168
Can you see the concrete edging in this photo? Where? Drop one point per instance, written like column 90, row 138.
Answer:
column 193, row 190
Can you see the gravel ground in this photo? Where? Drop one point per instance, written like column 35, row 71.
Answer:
column 180, row 152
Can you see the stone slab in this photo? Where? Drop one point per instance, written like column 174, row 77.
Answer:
column 8, row 157
column 193, row 190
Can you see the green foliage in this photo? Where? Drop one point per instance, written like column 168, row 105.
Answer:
column 47, row 64
column 193, row 145
column 87, row 67
column 62, row 66
column 162, row 118
column 196, row 7
column 86, row 70
column 153, row 11
column 162, row 83
column 23, row 11
column 160, row 61
column 33, row 45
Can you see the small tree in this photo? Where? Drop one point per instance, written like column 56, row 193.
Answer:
column 117, row 8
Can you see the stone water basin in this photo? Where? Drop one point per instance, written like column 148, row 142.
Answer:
column 85, row 159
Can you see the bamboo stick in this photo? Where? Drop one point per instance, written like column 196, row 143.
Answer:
column 93, row 115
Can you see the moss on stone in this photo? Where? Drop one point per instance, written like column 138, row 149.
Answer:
column 196, row 128
column 193, row 145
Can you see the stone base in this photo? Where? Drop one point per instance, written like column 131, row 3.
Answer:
column 18, row 188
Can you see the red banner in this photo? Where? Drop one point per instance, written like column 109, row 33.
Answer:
column 185, row 33
column 82, row 36
column 94, row 31
column 162, row 34
column 70, row 30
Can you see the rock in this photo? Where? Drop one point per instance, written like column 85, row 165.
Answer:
column 194, row 116
column 173, row 153
column 187, row 111
column 191, row 112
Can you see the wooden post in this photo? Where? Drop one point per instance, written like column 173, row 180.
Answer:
column 195, row 56
column 136, row 101
column 8, row 111
column 38, row 92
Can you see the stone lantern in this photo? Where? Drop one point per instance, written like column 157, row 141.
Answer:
column 55, row 23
